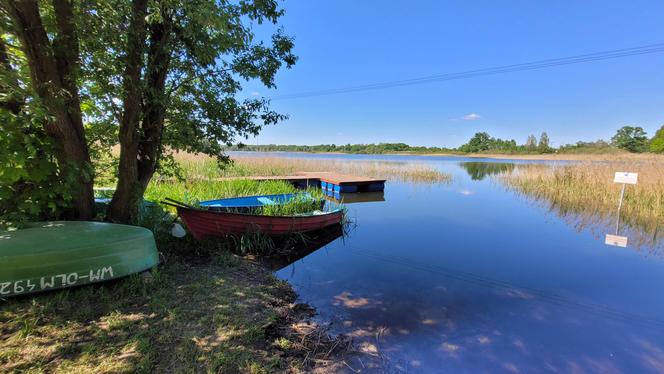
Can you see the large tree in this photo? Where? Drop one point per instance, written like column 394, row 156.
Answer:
column 52, row 57
column 481, row 141
column 631, row 138
column 162, row 75
column 531, row 143
column 544, row 144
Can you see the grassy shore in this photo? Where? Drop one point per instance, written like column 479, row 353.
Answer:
column 205, row 310
column 549, row 156
column 222, row 316
column 614, row 155
column 586, row 189
column 590, row 154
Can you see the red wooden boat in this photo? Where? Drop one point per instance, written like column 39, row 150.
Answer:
column 208, row 223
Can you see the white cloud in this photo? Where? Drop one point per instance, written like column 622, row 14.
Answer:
column 471, row 117
column 255, row 93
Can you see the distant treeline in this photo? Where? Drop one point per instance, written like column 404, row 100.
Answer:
column 348, row 148
column 628, row 138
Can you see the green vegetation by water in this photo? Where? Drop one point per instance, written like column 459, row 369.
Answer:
column 628, row 138
column 191, row 192
column 225, row 316
column 194, row 192
column 203, row 310
column 379, row 148
column 586, row 190
column 300, row 205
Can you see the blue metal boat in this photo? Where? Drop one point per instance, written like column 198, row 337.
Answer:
column 248, row 203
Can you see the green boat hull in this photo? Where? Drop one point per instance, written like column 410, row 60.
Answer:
column 51, row 255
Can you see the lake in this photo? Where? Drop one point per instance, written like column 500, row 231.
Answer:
column 468, row 276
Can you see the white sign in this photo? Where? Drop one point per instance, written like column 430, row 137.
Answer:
column 618, row 241
column 626, row 178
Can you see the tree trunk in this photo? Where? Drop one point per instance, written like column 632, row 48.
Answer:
column 124, row 205
column 150, row 147
column 53, row 70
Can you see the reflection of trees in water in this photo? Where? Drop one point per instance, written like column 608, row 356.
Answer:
column 480, row 170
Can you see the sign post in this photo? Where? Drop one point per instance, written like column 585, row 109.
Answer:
column 625, row 179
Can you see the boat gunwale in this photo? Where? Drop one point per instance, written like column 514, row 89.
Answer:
column 68, row 250
column 254, row 196
column 337, row 210
column 179, row 206
column 139, row 234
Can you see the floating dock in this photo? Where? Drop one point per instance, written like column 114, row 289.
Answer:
column 328, row 181
column 342, row 183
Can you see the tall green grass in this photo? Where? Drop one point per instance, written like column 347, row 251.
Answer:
column 301, row 204
column 194, row 192
column 191, row 192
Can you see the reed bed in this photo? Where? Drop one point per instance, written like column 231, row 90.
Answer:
column 586, row 190
column 191, row 192
column 203, row 167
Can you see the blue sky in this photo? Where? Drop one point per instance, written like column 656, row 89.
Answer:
column 350, row 43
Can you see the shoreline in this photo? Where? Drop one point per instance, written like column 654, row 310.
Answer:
column 219, row 314
column 497, row 156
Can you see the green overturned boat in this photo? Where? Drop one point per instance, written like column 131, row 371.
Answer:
column 46, row 256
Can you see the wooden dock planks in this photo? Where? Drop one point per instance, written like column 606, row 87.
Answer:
column 338, row 179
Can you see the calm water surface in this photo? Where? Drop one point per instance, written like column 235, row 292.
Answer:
column 470, row 277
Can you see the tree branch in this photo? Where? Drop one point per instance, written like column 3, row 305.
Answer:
column 56, row 88
column 43, row 70
column 12, row 101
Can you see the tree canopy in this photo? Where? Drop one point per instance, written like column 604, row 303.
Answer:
column 482, row 141
column 631, row 138
column 657, row 142
column 544, row 143
column 154, row 76
column 531, row 143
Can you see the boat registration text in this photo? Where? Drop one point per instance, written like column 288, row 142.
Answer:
column 55, row 281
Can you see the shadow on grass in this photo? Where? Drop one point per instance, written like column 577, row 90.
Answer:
column 186, row 318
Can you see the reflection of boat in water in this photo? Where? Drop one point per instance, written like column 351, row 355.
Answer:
column 303, row 246
column 360, row 197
